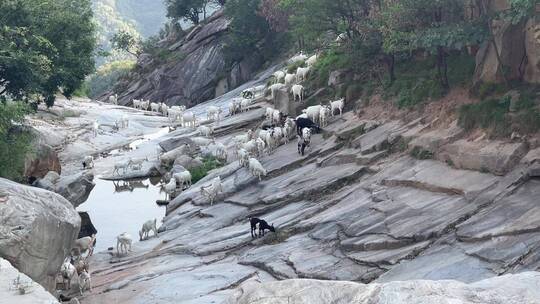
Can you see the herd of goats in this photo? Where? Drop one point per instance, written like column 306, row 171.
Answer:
column 247, row 148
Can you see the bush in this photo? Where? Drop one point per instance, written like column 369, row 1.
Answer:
column 106, row 77
column 209, row 163
column 15, row 141
column 488, row 114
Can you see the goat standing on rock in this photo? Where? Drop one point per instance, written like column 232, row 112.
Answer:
column 263, row 225
column 150, row 225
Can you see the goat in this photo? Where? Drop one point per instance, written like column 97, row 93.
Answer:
column 154, row 107
column 304, row 122
column 183, row 178
column 68, row 271
column 290, row 79
column 279, row 75
column 80, row 266
column 324, row 115
column 88, row 162
column 298, row 58
column 189, row 119
column 244, row 105
column 234, row 106
column 86, row 244
column 170, row 187
column 304, row 141
column 136, row 164
column 313, row 112
column 338, row 104
column 263, row 225
column 95, row 128
column 212, row 190
column 213, row 112
column 122, row 165
column 298, row 91
column 85, row 282
column 136, row 103
column 113, row 99
column 243, row 157
column 150, row 225
column 164, row 109
column 256, row 168
column 312, row 60
column 123, row 243
column 301, row 74
column 206, row 131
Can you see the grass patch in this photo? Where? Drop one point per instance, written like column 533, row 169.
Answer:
column 494, row 116
column 209, row 163
column 421, row 154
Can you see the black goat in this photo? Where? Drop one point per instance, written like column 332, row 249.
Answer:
column 302, row 123
column 263, row 225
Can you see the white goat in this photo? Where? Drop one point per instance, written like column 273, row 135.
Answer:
column 312, row 60
column 256, row 168
column 154, row 107
column 211, row 192
column 88, row 162
column 183, row 178
column 251, row 146
column 170, row 187
column 124, row 165
column 86, row 244
column 148, row 226
column 301, row 74
column 175, row 113
column 274, row 88
column 85, row 282
column 136, row 164
column 123, row 243
column 298, row 91
column 276, row 117
column 313, row 112
column 234, row 106
column 279, row 75
column 218, row 150
column 243, row 157
column 244, row 105
column 95, row 128
column 298, row 58
column 136, row 103
column 189, row 119
column 338, row 104
column 213, row 113
column 123, row 122
column 164, row 109
column 68, row 272
column 324, row 115
column 290, row 79
column 113, row 99
column 206, row 130
column 261, row 145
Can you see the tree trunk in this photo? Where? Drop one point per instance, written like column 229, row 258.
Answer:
column 442, row 68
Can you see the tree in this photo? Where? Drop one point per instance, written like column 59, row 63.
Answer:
column 435, row 26
column 14, row 141
column 186, row 9
column 127, row 42
column 45, row 46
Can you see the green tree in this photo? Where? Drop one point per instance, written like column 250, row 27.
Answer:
column 435, row 26
column 126, row 42
column 45, row 46
column 186, row 9
column 14, row 140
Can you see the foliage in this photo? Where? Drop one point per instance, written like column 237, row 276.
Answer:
column 421, row 154
column 494, row 115
column 433, row 26
column 126, row 42
column 106, row 77
column 14, row 141
column 45, row 46
column 249, row 32
column 185, row 9
column 209, row 163
column 293, row 67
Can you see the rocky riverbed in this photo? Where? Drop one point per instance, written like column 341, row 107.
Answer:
column 373, row 201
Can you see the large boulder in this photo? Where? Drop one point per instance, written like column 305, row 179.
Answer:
column 37, row 230
column 75, row 188
column 43, row 160
column 200, row 71
column 520, row 288
column 518, row 48
column 187, row 162
column 496, row 157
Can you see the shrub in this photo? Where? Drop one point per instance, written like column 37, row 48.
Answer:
column 107, row 76
column 488, row 114
column 15, row 141
column 209, row 163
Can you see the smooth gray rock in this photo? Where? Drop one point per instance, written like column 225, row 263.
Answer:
column 75, row 188
column 37, row 230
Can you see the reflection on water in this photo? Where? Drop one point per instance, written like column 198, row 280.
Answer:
column 122, row 206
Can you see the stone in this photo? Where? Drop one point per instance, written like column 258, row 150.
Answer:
column 433, row 140
column 377, row 139
column 282, row 103
column 338, row 77
column 75, row 188
column 187, row 162
column 514, row 289
column 34, row 292
column 532, row 49
column 37, row 232
column 41, row 161
column 496, row 157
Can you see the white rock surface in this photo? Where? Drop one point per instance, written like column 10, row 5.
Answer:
column 34, row 293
